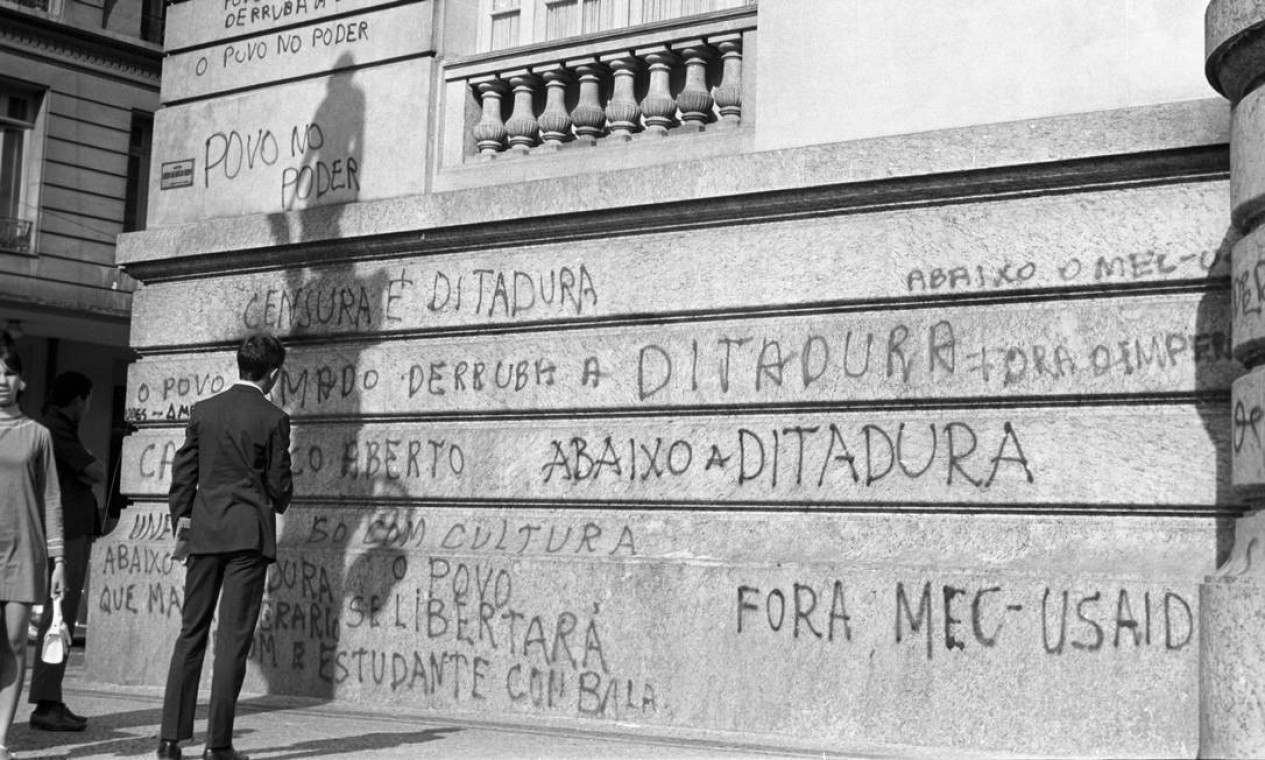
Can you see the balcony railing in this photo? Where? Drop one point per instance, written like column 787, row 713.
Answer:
column 39, row 5
column 557, row 19
column 676, row 77
column 15, row 235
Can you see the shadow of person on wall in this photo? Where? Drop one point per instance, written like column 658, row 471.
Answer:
column 1215, row 370
column 327, row 157
column 330, row 573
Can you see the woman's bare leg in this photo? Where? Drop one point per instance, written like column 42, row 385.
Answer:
column 15, row 619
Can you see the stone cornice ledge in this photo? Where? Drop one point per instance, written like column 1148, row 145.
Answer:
column 132, row 58
column 1083, row 149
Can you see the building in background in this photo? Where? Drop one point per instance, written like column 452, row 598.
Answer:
column 79, row 83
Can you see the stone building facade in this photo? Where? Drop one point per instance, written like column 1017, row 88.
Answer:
column 79, row 84
column 815, row 374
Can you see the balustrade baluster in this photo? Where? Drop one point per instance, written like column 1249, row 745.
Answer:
column 522, row 127
column 692, row 82
column 694, row 100
column 555, row 122
column 589, row 117
column 729, row 93
column 659, row 107
column 622, row 110
column 489, row 133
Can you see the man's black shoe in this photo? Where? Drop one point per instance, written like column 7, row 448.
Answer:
column 168, row 750
column 45, row 706
column 223, row 753
column 71, row 714
column 55, row 719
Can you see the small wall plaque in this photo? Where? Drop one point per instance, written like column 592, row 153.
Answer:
column 177, row 174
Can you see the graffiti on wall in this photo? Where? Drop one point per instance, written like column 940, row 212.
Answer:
column 844, row 356
column 297, row 160
column 454, row 618
column 488, row 292
column 459, row 611
column 803, row 456
column 1134, row 267
column 942, row 618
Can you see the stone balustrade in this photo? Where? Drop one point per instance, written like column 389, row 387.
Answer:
column 678, row 77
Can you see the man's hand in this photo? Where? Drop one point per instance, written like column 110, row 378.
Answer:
column 180, row 552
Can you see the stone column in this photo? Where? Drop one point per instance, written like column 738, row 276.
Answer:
column 1232, row 600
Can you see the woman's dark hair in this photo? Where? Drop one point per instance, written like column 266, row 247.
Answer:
column 9, row 355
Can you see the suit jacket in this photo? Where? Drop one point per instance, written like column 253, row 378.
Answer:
column 78, row 502
column 231, row 477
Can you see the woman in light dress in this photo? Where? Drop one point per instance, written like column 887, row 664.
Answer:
column 30, row 531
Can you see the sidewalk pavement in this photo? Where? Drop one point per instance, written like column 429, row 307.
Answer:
column 123, row 723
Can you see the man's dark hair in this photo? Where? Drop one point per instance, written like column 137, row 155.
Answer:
column 258, row 355
column 68, row 387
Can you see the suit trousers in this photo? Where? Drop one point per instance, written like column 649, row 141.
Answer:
column 46, row 679
column 237, row 581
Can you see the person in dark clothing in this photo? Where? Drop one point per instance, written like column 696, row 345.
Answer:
column 229, row 481
column 77, row 472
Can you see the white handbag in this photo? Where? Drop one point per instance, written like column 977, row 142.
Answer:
column 57, row 640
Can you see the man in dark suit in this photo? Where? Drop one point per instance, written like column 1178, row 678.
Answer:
column 229, row 481
column 77, row 472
